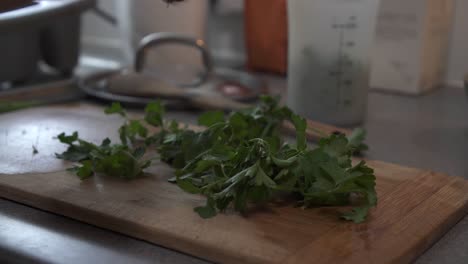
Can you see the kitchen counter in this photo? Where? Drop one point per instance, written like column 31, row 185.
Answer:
column 428, row 132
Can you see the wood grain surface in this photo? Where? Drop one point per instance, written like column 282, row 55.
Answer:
column 415, row 208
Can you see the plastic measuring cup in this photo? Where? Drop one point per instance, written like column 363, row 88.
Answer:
column 329, row 56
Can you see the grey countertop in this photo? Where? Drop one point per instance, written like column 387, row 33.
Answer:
column 428, row 132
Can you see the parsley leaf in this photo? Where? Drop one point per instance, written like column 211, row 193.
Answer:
column 124, row 160
column 357, row 215
column 210, row 118
column 115, row 108
column 356, row 140
column 206, row 211
column 68, row 139
column 154, row 112
column 35, row 151
column 84, row 171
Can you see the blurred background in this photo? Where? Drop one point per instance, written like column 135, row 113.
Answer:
column 221, row 23
column 417, row 46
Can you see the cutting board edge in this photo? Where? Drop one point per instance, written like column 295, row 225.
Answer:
column 436, row 234
column 371, row 162
column 425, row 241
column 98, row 220
column 189, row 247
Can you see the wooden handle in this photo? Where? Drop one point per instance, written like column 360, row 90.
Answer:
column 316, row 130
column 216, row 103
column 326, row 128
column 135, row 84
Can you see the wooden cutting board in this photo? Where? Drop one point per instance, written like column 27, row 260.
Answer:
column 415, row 209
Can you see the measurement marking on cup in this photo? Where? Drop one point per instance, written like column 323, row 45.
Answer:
column 344, row 63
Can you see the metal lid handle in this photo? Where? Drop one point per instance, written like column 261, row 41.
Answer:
column 156, row 39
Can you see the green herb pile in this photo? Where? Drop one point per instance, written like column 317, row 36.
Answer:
column 6, row 107
column 237, row 161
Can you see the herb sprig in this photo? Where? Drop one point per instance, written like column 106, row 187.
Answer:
column 239, row 160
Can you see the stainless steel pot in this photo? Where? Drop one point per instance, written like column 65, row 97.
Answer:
column 60, row 44
column 47, row 29
column 19, row 53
